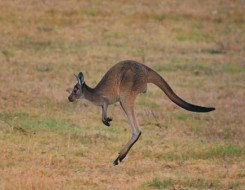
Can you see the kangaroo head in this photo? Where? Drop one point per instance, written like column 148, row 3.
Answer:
column 77, row 91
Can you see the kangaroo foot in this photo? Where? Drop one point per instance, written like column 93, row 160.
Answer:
column 107, row 121
column 119, row 159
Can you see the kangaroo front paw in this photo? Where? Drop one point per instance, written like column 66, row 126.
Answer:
column 107, row 121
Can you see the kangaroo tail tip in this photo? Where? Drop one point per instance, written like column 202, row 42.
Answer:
column 208, row 109
column 211, row 109
column 201, row 109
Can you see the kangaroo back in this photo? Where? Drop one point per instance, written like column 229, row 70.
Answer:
column 156, row 79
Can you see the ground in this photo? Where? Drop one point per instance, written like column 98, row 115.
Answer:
column 49, row 143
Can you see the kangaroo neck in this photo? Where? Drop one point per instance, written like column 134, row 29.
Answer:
column 92, row 95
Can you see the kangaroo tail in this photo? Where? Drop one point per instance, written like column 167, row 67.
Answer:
column 156, row 79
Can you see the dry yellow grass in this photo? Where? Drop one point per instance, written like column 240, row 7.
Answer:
column 48, row 143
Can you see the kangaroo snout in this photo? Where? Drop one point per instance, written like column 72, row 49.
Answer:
column 70, row 99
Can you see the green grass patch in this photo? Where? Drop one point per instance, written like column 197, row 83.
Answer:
column 52, row 125
column 12, row 116
column 115, row 35
column 44, row 45
column 194, row 36
column 200, row 183
column 160, row 183
column 184, row 153
column 91, row 12
column 34, row 124
column 43, row 68
column 8, row 54
column 187, row 65
column 159, row 17
column 232, row 68
column 30, row 123
column 229, row 150
column 183, row 117
column 27, row 42
column 236, row 185
column 203, row 69
column 84, row 141
column 79, row 153
column 186, row 182
column 214, row 51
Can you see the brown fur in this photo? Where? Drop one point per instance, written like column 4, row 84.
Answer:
column 122, row 83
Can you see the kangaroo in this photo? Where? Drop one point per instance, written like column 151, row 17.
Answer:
column 122, row 83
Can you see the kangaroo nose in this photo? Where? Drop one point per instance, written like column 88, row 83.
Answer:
column 70, row 99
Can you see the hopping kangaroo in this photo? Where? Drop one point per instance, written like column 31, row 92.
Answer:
column 122, row 83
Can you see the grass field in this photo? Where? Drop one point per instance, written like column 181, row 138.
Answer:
column 48, row 143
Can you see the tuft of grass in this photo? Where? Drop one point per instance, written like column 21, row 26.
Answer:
column 233, row 69
column 186, row 182
column 200, row 183
column 8, row 54
column 183, row 117
column 79, row 153
column 203, row 152
column 198, row 68
column 229, row 150
column 194, row 36
column 11, row 116
column 47, row 45
column 27, row 42
column 52, row 125
column 84, row 141
column 37, row 124
column 91, row 12
column 159, row 17
column 214, row 51
column 187, row 65
column 42, row 68
column 32, row 123
column 160, row 184
column 236, row 185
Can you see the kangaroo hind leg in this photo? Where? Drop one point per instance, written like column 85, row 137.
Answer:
column 127, row 103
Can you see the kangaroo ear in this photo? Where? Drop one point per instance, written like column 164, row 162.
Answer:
column 80, row 78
